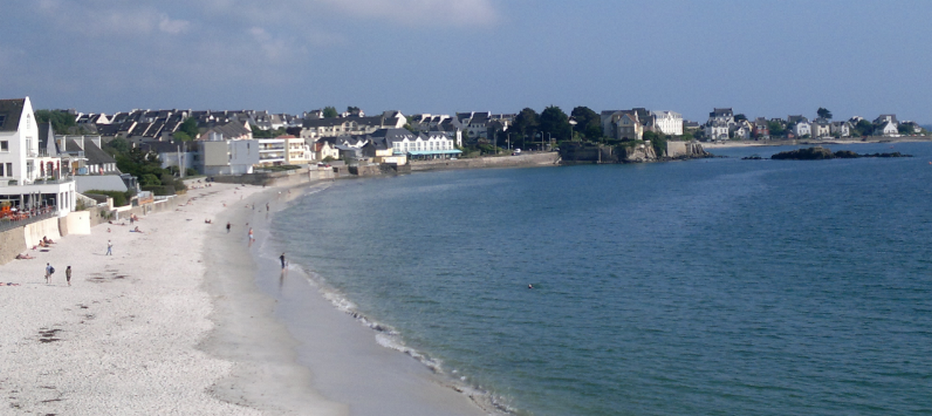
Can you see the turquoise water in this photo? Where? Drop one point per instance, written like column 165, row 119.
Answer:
column 714, row 286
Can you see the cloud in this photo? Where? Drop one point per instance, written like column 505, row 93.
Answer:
column 103, row 18
column 173, row 27
column 459, row 13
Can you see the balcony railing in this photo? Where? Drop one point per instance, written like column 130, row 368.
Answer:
column 24, row 218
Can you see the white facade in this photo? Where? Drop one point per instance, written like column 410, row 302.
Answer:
column 716, row 132
column 668, row 122
column 30, row 179
column 421, row 144
column 888, row 129
column 841, row 128
column 272, row 151
column 821, row 129
column 298, row 151
column 802, row 128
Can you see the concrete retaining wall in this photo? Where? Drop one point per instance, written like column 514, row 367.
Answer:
column 12, row 242
column 75, row 223
column 523, row 160
column 34, row 232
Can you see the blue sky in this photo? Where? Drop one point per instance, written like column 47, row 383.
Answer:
column 762, row 58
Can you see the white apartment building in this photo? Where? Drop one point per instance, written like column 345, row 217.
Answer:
column 668, row 122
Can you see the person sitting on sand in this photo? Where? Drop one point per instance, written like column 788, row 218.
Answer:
column 42, row 244
column 135, row 230
column 47, row 240
column 208, row 221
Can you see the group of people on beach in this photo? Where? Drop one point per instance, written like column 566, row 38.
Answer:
column 49, row 270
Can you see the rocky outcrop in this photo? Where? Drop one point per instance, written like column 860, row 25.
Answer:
column 631, row 152
column 821, row 153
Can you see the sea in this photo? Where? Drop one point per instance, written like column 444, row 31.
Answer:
column 714, row 286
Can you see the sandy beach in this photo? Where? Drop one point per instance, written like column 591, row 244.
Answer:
column 177, row 321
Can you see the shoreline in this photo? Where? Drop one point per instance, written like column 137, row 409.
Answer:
column 811, row 142
column 179, row 320
column 293, row 351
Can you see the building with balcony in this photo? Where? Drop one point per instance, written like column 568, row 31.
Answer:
column 32, row 180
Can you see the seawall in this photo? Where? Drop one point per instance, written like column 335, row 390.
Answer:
column 522, row 160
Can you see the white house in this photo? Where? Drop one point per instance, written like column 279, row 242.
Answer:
column 31, row 176
column 721, row 116
column 887, row 129
column 841, row 128
column 802, row 128
column 716, row 131
column 668, row 122
column 741, row 130
column 820, row 128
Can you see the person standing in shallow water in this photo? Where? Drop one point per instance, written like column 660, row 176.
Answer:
column 282, row 258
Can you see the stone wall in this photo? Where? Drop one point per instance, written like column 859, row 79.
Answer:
column 522, row 160
column 286, row 178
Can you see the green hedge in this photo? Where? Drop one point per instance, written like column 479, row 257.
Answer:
column 120, row 199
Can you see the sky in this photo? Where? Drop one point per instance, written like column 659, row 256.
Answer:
column 762, row 58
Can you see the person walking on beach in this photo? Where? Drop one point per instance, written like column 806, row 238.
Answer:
column 68, row 275
column 109, row 248
column 228, row 227
column 282, row 258
column 48, row 273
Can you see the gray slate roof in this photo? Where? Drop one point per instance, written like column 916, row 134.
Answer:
column 10, row 112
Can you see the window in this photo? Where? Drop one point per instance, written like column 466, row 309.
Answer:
column 4, row 146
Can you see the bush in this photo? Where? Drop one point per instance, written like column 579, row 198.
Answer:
column 120, row 199
column 281, row 168
column 160, row 190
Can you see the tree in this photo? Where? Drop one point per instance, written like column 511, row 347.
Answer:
column 777, row 129
column 740, row 117
column 657, row 141
column 330, row 112
column 823, row 113
column 61, row 120
column 588, row 123
column 116, row 146
column 555, row 124
column 525, row 127
column 864, row 128
column 189, row 127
